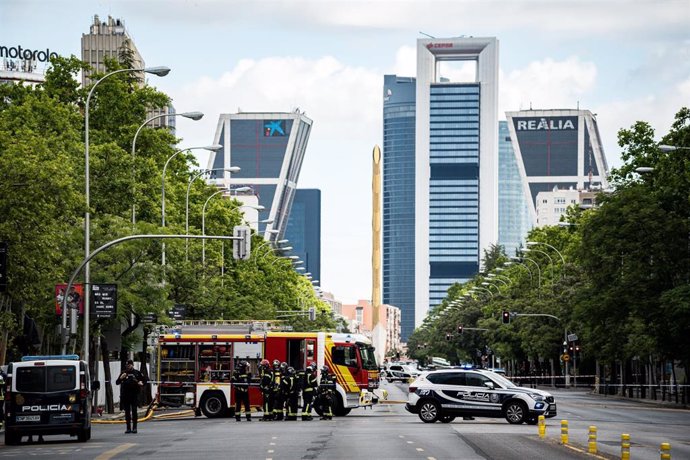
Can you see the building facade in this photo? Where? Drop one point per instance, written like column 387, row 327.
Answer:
column 359, row 318
column 557, row 148
column 399, row 197
column 514, row 220
column 269, row 148
column 550, row 206
column 456, row 170
column 304, row 230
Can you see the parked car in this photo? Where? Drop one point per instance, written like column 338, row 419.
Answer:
column 401, row 372
column 444, row 394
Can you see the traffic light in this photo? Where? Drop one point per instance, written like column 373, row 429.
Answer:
column 312, row 313
column 506, row 317
column 241, row 245
column 448, row 337
column 459, row 328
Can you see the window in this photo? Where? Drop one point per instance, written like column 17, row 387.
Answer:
column 46, row 379
column 442, row 378
column 359, row 315
column 477, row 380
column 345, row 356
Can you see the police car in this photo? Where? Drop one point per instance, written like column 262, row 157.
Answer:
column 48, row 395
column 444, row 394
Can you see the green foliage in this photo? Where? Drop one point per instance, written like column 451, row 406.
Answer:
column 42, row 207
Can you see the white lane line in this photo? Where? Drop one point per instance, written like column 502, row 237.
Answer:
column 271, row 443
column 401, row 436
column 430, row 458
column 410, row 442
column 270, row 451
column 419, row 449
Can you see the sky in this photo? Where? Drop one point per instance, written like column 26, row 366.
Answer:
column 625, row 60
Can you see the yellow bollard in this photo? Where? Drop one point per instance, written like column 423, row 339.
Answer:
column 625, row 446
column 564, row 432
column 542, row 426
column 665, row 451
column 592, row 439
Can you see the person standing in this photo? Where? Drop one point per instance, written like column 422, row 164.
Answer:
column 310, row 385
column 265, row 384
column 240, row 381
column 292, row 391
column 276, row 390
column 326, row 389
column 131, row 381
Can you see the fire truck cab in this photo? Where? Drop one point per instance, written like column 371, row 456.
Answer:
column 196, row 361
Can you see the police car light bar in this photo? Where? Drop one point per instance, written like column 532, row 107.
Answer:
column 51, row 357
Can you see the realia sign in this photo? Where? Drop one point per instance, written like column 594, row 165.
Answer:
column 17, row 52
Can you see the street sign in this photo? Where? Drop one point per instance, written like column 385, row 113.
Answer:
column 565, row 357
column 3, row 266
column 75, row 298
column 178, row 312
column 572, row 337
column 241, row 245
column 104, row 301
column 149, row 318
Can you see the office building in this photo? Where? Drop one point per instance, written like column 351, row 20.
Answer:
column 303, row 230
column 551, row 206
column 21, row 65
column 399, row 197
column 456, row 171
column 269, row 148
column 513, row 214
column 557, row 148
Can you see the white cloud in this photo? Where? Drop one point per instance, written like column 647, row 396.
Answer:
column 546, row 84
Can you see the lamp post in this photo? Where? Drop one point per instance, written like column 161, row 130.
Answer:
column 161, row 72
column 533, row 243
column 538, row 272
column 542, row 252
column 211, row 148
column 186, row 202
column 191, row 115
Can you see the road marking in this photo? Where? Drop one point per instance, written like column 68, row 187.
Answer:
column 430, row 458
column 410, row 442
column 401, row 436
column 419, row 449
column 270, row 451
column 271, row 443
column 107, row 455
column 274, row 437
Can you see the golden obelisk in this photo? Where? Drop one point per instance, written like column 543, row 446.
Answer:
column 379, row 331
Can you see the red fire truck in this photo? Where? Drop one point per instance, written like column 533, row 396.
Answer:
column 196, row 360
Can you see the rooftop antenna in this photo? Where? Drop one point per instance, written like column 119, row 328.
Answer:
column 427, row 35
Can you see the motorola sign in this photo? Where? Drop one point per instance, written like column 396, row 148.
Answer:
column 17, row 52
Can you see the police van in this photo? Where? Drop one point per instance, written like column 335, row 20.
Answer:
column 46, row 395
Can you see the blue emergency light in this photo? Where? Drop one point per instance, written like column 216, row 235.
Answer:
column 51, row 357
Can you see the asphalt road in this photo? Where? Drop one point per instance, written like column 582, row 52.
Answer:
column 385, row 432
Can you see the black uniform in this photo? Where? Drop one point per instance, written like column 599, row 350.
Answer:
column 240, row 381
column 291, row 390
column 265, row 384
column 308, row 390
column 131, row 381
column 326, row 395
column 277, row 394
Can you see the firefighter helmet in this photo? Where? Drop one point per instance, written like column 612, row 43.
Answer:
column 291, row 370
column 276, row 363
column 265, row 363
column 325, row 369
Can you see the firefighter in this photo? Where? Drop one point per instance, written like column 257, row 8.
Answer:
column 276, row 390
column 308, row 389
column 265, row 384
column 240, row 381
column 326, row 394
column 292, row 392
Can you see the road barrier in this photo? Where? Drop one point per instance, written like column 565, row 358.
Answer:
column 542, row 426
column 625, row 446
column 665, row 451
column 592, row 440
column 564, row 432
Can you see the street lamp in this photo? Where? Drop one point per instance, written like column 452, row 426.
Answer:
column 542, row 252
column 203, row 225
column 161, row 72
column 186, row 202
column 671, row 148
column 191, row 115
column 211, row 148
column 533, row 243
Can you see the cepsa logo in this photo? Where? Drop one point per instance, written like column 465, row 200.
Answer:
column 18, row 52
column 432, row 46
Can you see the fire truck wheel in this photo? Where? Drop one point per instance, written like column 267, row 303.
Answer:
column 338, row 409
column 213, row 405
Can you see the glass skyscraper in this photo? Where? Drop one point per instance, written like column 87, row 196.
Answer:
column 399, row 197
column 456, row 166
column 513, row 214
column 304, row 230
